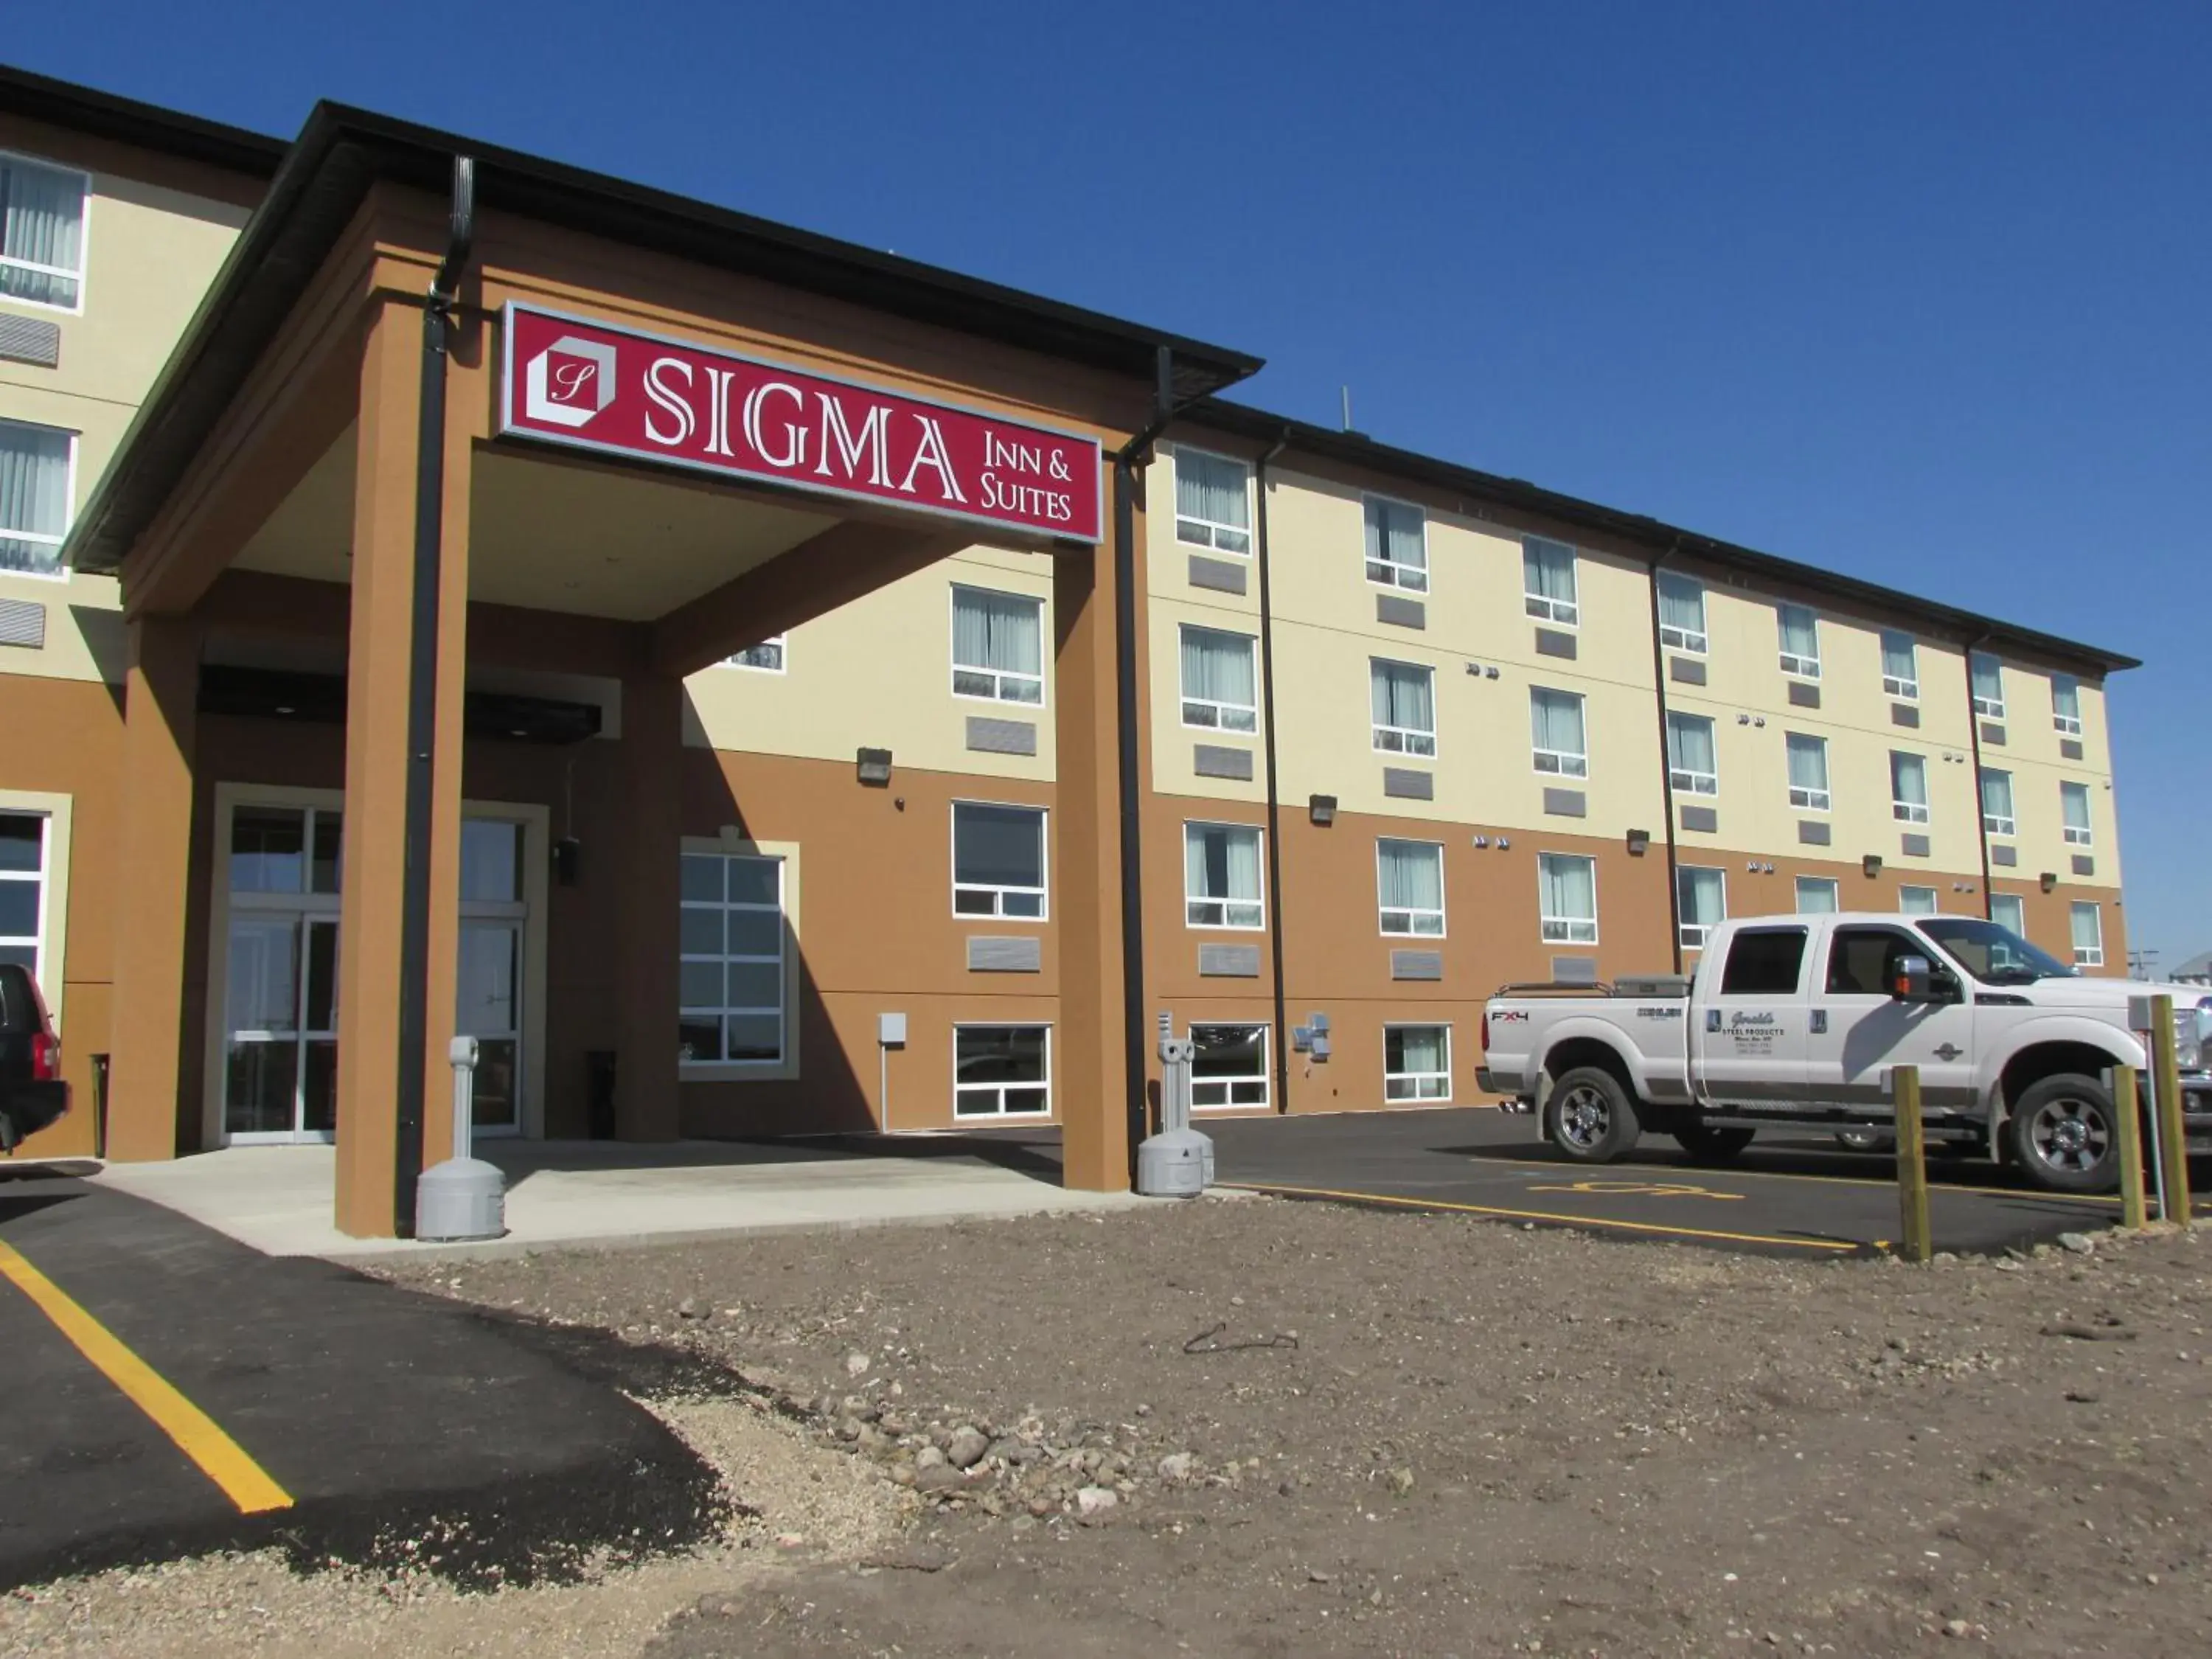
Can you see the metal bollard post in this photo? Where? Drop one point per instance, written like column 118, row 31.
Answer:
column 2173, row 1144
column 1912, row 1164
column 463, row 1057
column 2127, row 1112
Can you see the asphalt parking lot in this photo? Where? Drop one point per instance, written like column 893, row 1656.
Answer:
column 1795, row 1196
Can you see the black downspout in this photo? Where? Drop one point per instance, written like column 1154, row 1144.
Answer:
column 1666, row 767
column 1974, row 736
column 422, row 702
column 1279, row 1046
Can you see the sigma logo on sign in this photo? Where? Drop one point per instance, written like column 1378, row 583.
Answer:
column 587, row 386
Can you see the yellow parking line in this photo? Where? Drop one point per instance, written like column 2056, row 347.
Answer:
column 243, row 1481
column 1547, row 1215
column 1741, row 1172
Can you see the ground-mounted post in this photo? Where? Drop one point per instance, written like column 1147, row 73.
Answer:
column 2127, row 1122
column 2173, row 1148
column 1918, row 1243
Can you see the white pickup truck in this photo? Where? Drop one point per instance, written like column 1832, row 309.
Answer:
column 1796, row 1021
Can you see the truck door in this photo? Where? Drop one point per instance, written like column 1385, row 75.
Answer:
column 1859, row 1030
column 1749, row 1043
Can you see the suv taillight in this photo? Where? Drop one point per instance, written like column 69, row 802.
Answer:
column 1486, row 1030
column 46, row 1057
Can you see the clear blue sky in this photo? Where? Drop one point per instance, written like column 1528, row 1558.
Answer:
column 1916, row 292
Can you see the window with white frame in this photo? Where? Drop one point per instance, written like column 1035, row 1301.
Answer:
column 1567, row 889
column 1397, row 545
column 1001, row 1070
column 1417, row 1063
column 1221, row 876
column 1817, row 896
column 36, row 463
column 1800, row 632
column 23, row 893
column 2066, row 704
column 1230, row 1068
column 997, row 645
column 1409, row 883
column 767, row 656
column 1547, row 580
column 42, row 232
column 1556, row 736
column 1908, row 786
column 732, row 979
column 1219, row 682
column 1404, row 700
column 1682, row 613
column 998, row 861
column 2088, row 924
column 1701, row 899
column 1916, row 901
column 2009, row 910
column 1214, row 507
column 1808, row 772
column 2073, row 812
column 1900, row 665
column 1988, row 676
column 1692, row 766
column 1997, row 804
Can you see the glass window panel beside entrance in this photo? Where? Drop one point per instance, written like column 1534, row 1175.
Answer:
column 283, row 864
column 23, row 893
column 732, row 978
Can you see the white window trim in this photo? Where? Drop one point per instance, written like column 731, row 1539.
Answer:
column 1801, row 667
column 1905, row 691
column 1411, row 913
column 1396, row 583
column 2012, row 901
column 2077, row 835
column 2066, row 725
column 1252, row 709
column 1703, row 930
column 1988, row 708
column 1266, row 1077
column 1546, row 610
column 1190, row 900
column 732, row 844
column 2007, row 824
column 1813, row 800
column 1907, row 811
column 59, row 572
column 2088, row 955
column 1414, row 1078
column 1673, row 638
column 783, row 643
column 83, row 273
column 1565, row 763
column 1402, row 740
column 1682, row 779
column 1175, row 503
column 1835, row 891
column 52, row 940
column 1000, row 677
column 1934, row 902
column 960, row 1088
column 1565, row 930
column 1044, row 863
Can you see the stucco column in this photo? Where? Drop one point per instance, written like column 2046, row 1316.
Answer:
column 152, row 880
column 648, row 868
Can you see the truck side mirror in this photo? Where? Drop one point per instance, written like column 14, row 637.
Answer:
column 1909, row 981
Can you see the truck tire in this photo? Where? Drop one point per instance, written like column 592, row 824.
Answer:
column 1707, row 1145
column 2062, row 1135
column 1589, row 1116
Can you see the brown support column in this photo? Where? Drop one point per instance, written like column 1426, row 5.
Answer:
column 648, row 870
column 159, row 721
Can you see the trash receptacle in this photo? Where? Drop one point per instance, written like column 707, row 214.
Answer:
column 600, row 1122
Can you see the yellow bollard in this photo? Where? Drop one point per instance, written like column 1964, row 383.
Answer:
column 2127, row 1123
column 2172, row 1146
column 1919, row 1244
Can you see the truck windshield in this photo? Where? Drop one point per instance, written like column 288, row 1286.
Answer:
column 1993, row 954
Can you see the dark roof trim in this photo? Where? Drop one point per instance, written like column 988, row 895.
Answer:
column 342, row 151
column 81, row 109
column 1355, row 449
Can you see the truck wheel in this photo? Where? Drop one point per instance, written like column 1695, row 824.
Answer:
column 1706, row 1144
column 2061, row 1135
column 1589, row 1116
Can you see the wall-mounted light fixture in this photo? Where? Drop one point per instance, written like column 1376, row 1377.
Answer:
column 1503, row 843
column 1492, row 674
column 1321, row 809
column 1758, row 719
column 1871, row 864
column 1481, row 841
column 1743, row 719
column 875, row 767
column 1639, row 843
column 2048, row 880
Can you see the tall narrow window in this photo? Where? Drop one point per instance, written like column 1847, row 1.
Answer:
column 1218, row 680
column 1213, row 509
column 998, row 861
column 1800, row 631
column 1900, row 665
column 1987, row 674
column 1997, row 804
column 2074, row 809
column 1682, row 613
column 1701, row 896
column 2009, row 910
column 1547, row 580
column 1808, row 773
column 1908, row 787
column 41, row 233
column 1567, row 895
column 1417, row 1063
column 1689, row 761
column 2066, row 704
column 2089, row 923
column 1555, row 723
column 1221, row 876
column 997, row 645
column 1409, row 878
column 768, row 656
column 1816, row 894
column 35, row 495
column 1405, row 706
column 1397, row 545
column 23, row 893
column 732, row 979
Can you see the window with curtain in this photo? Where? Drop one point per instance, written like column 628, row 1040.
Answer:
column 1808, row 772
column 1409, row 878
column 1555, row 726
column 2088, row 924
column 1397, row 545
column 1218, row 680
column 1816, row 896
column 768, row 656
column 998, row 861
column 1996, row 803
column 1213, row 508
column 2066, row 704
column 1916, row 901
column 1701, row 896
column 1416, row 1062
column 1900, row 665
column 1567, row 892
column 1405, row 706
column 41, row 232
column 997, row 645
column 1987, row 674
column 1908, row 786
column 1682, row 613
column 35, row 495
column 1547, row 580
column 1691, row 765
column 1800, row 631
column 2074, row 809
column 2009, row 911
column 1230, row 1067
column 1221, row 876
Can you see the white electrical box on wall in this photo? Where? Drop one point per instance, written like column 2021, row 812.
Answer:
column 890, row 1030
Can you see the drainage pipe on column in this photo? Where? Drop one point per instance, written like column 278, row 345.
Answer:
column 1666, row 764
column 423, row 697
column 1974, row 738
column 1278, row 1044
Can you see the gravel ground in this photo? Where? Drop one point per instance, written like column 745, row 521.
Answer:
column 1264, row 1428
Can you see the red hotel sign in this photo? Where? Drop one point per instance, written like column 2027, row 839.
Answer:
column 586, row 385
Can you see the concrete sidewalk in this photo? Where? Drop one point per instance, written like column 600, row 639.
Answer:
column 277, row 1198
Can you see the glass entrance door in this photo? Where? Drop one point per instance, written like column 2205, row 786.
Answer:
column 488, row 987
column 280, row 999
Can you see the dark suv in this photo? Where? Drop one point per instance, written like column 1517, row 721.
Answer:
column 31, row 1092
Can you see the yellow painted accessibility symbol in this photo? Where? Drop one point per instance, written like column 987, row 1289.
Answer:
column 1639, row 1189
